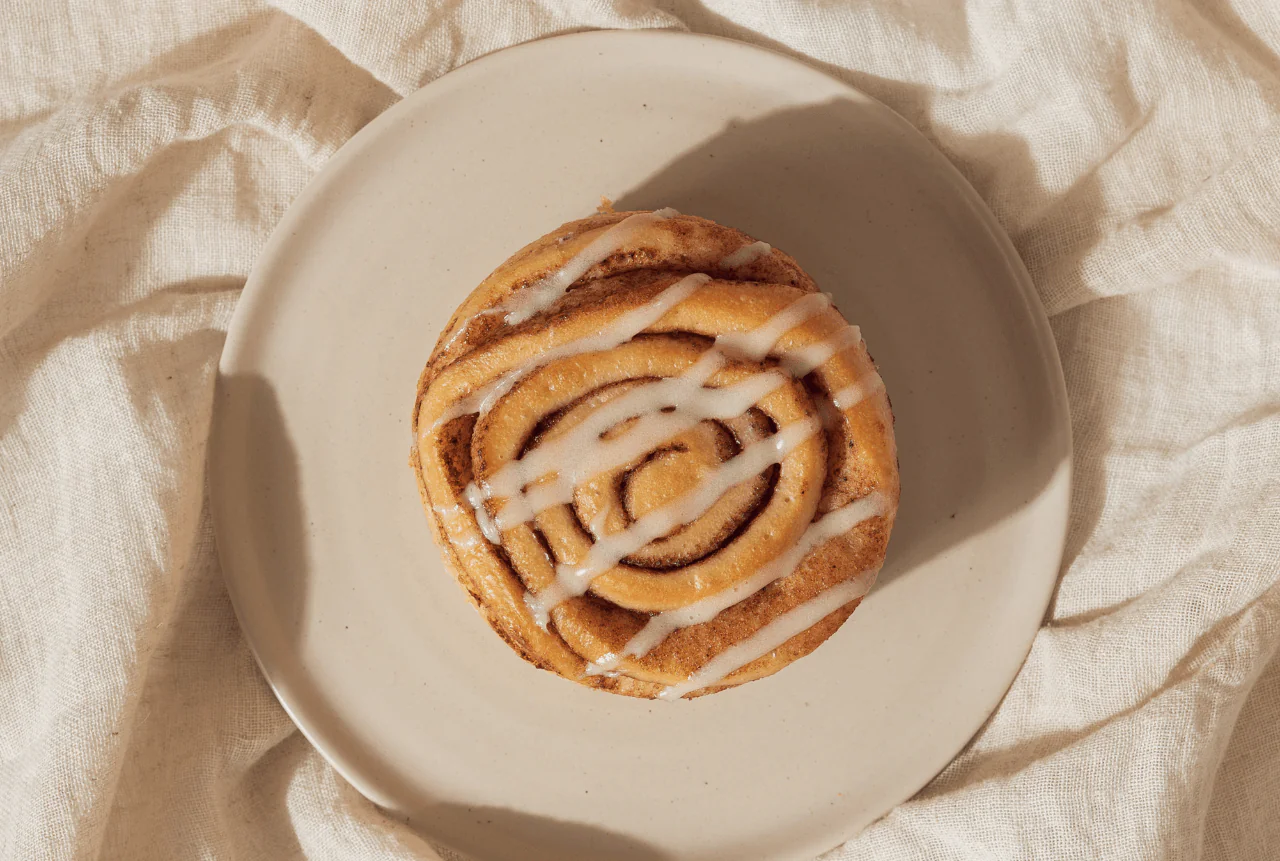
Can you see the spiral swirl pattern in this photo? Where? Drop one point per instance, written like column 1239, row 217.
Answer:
column 658, row 460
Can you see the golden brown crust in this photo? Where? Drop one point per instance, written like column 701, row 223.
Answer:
column 746, row 528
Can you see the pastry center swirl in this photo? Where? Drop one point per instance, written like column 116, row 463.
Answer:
column 614, row 499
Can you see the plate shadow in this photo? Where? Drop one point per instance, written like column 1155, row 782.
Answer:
column 976, row 442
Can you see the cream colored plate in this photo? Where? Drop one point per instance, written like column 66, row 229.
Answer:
column 372, row 647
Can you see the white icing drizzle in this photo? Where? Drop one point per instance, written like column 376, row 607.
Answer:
column 757, row 343
column 605, row 665
column 803, row 360
column 455, row 513
column 605, row 553
column 602, row 517
column 591, row 456
column 661, row 625
column 773, row 635
column 580, row 453
column 546, row 290
column 450, row 511
column 623, row 329
column 644, row 401
column 746, row 254
column 462, row 329
column 483, row 520
column 852, row 395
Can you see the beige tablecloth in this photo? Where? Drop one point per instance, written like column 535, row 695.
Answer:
column 1132, row 151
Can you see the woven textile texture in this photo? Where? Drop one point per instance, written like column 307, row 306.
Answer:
column 1132, row 151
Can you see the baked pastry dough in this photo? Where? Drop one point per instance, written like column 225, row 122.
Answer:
column 659, row 461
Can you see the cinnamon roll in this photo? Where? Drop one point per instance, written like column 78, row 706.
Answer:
column 656, row 457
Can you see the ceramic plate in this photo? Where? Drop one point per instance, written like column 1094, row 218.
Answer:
column 365, row 637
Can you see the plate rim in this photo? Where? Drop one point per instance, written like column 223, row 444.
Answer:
column 258, row 289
